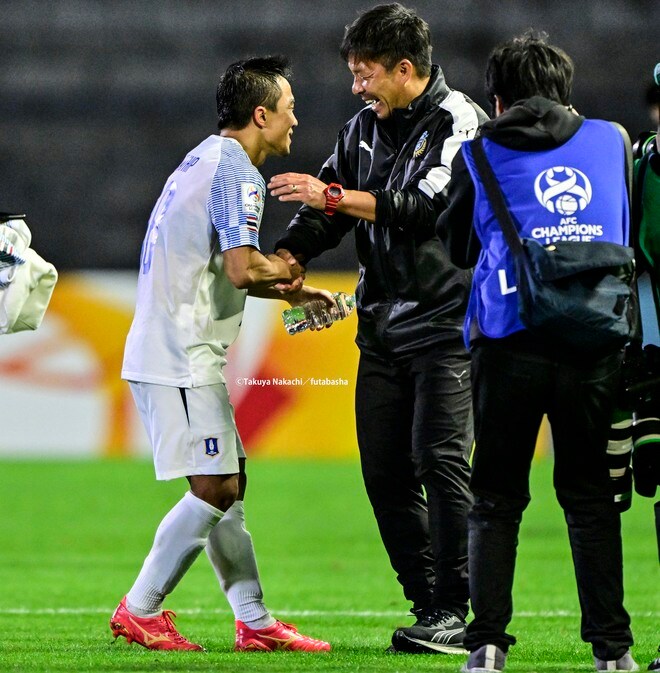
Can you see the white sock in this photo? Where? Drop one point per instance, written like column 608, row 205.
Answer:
column 231, row 553
column 180, row 537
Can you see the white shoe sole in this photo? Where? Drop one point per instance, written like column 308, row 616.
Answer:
column 437, row 647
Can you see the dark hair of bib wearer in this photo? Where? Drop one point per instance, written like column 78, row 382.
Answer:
column 528, row 66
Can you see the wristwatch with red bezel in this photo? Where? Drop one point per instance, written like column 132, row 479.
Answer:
column 334, row 193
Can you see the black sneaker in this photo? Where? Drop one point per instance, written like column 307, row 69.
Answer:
column 435, row 631
column 655, row 664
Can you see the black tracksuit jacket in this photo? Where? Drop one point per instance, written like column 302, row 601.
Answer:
column 409, row 295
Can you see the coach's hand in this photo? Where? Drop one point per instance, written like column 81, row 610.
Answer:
column 298, row 187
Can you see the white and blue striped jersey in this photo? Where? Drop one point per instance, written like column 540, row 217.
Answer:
column 187, row 311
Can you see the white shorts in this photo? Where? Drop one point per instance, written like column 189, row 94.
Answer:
column 192, row 430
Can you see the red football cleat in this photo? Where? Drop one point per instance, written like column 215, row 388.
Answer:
column 154, row 633
column 279, row 636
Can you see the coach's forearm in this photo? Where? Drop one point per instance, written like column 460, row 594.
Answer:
column 361, row 205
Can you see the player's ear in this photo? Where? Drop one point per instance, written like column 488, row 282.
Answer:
column 499, row 105
column 259, row 116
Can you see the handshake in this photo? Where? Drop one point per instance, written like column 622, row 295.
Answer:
column 296, row 269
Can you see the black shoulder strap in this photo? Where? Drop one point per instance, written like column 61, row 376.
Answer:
column 495, row 196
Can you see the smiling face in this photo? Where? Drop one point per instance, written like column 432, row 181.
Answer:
column 281, row 122
column 381, row 89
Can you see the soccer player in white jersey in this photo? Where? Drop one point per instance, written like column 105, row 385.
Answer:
column 200, row 257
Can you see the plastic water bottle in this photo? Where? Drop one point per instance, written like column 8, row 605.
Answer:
column 317, row 313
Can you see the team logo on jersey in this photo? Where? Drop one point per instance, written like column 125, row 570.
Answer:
column 211, row 446
column 420, row 148
column 563, row 190
column 253, row 202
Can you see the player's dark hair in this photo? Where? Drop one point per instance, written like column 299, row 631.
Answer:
column 248, row 84
column 387, row 34
column 527, row 66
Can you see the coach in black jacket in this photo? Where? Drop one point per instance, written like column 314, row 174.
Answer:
column 387, row 179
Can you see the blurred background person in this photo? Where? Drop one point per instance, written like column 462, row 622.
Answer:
column 643, row 364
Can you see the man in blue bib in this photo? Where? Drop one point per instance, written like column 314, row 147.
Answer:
column 563, row 178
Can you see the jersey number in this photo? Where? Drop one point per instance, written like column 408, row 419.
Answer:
column 157, row 215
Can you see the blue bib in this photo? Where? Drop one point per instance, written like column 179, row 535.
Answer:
column 574, row 192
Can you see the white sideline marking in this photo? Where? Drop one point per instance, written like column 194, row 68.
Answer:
column 287, row 613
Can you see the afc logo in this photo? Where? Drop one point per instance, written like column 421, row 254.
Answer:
column 563, row 190
column 251, row 198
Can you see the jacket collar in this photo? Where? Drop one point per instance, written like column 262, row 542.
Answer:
column 435, row 92
column 403, row 120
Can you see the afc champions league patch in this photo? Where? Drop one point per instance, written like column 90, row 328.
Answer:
column 252, row 199
column 420, row 147
column 212, row 448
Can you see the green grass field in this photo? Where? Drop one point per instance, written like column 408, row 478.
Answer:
column 73, row 536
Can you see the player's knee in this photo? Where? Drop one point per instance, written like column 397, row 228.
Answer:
column 227, row 496
column 220, row 491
